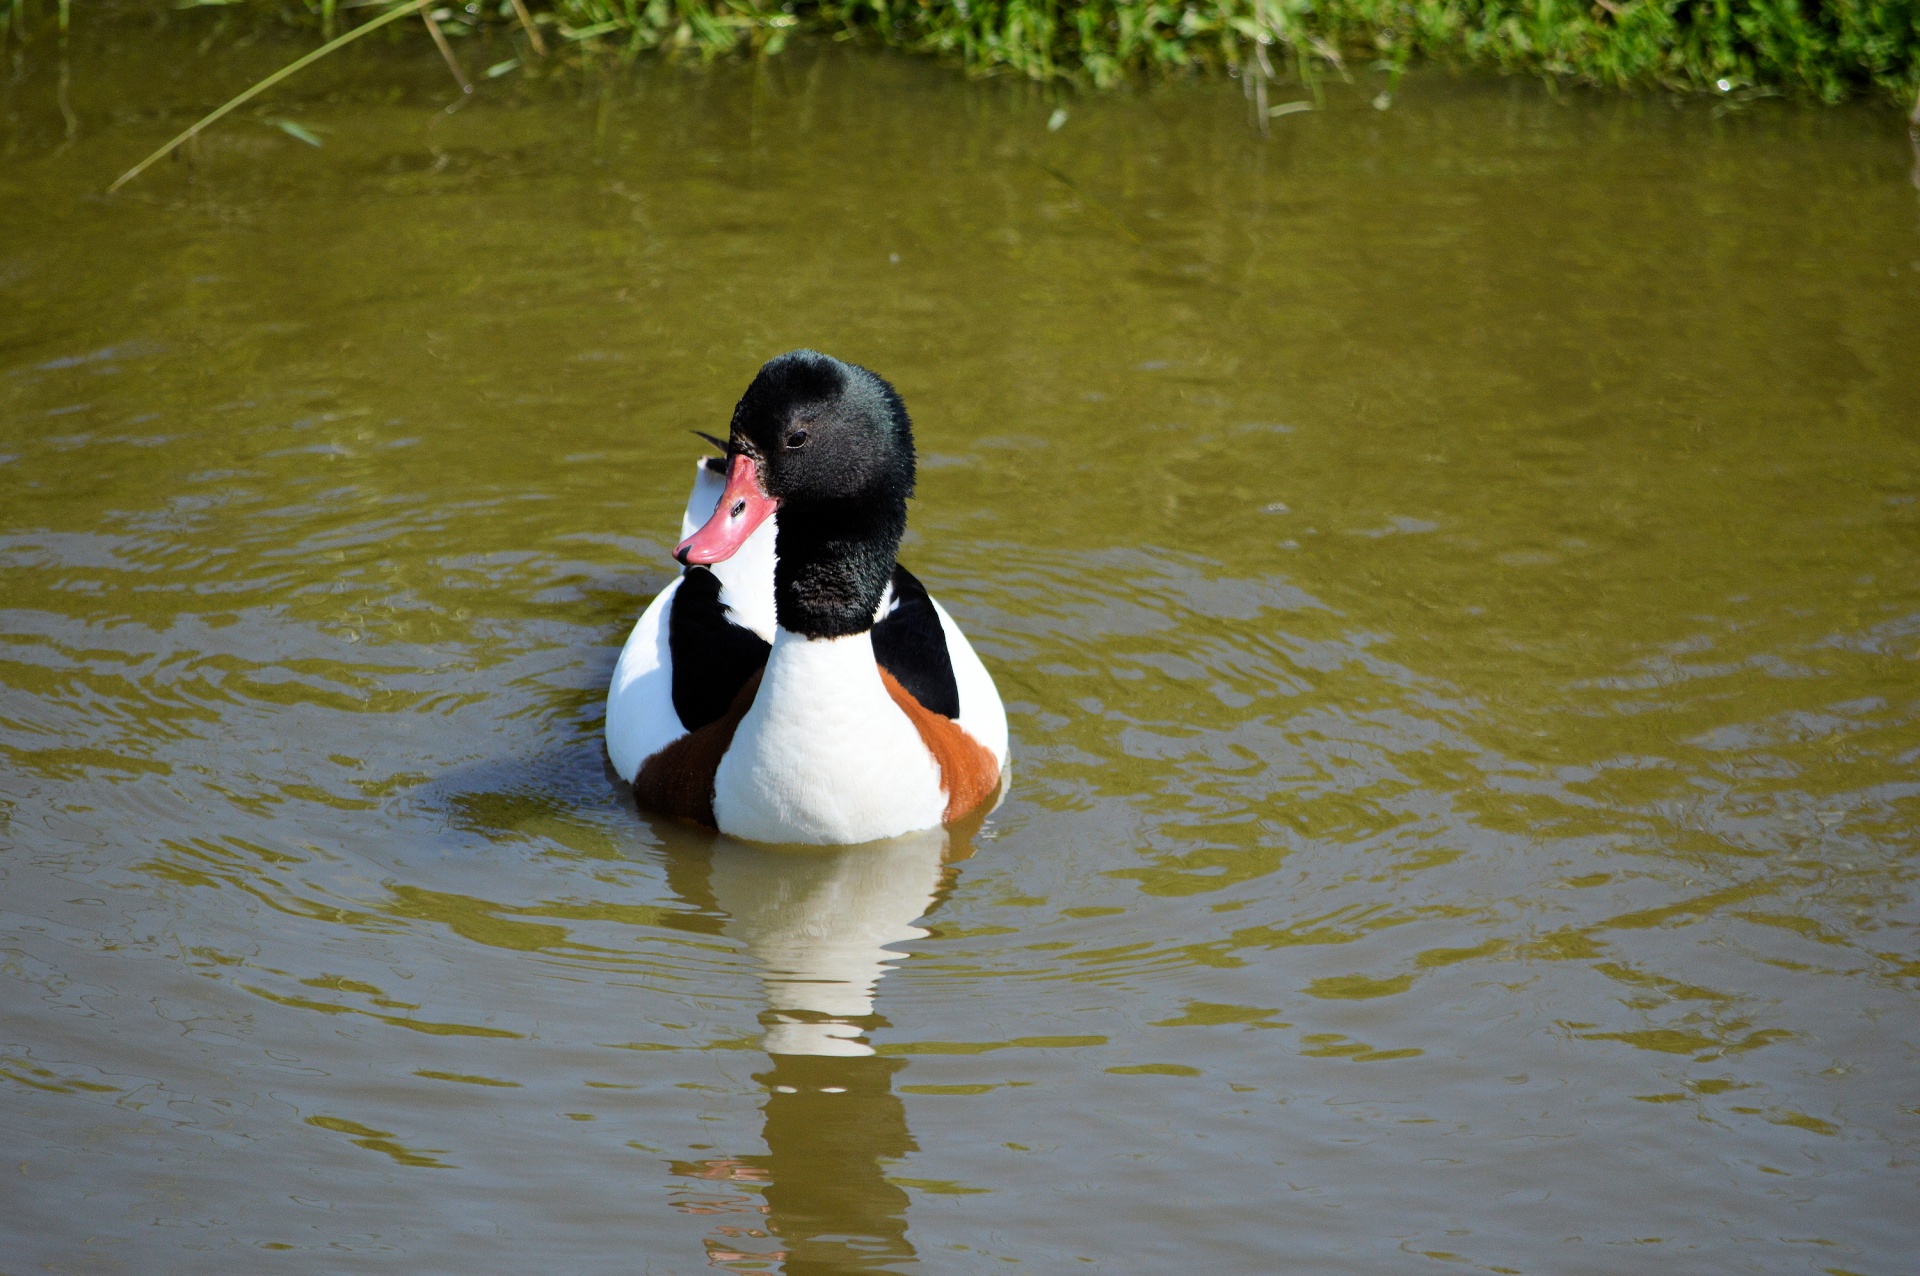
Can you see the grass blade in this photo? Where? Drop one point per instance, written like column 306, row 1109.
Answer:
column 406, row 7
column 296, row 132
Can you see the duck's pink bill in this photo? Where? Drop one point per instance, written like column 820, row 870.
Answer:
column 743, row 507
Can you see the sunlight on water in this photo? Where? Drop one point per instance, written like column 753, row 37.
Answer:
column 1451, row 572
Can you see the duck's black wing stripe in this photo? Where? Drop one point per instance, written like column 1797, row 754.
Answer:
column 911, row 644
column 712, row 656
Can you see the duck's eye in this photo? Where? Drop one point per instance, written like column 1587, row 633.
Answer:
column 798, row 438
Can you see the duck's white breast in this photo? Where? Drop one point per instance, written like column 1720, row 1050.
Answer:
column 824, row 756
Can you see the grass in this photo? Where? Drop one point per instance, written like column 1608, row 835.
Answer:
column 1828, row 50
column 1824, row 49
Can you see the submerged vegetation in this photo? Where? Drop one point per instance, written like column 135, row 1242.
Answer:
column 1826, row 49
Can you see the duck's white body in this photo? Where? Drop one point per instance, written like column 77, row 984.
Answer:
column 824, row 755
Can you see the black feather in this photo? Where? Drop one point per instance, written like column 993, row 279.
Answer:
column 714, row 464
column 712, row 655
column 911, row 644
column 834, row 446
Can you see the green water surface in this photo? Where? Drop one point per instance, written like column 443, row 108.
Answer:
column 1454, row 573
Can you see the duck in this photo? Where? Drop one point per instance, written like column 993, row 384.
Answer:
column 796, row 684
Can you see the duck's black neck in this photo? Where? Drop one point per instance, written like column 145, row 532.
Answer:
column 832, row 561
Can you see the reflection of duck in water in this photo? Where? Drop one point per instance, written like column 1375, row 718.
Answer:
column 817, row 922
column 796, row 684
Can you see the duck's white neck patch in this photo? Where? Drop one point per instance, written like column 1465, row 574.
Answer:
column 824, row 756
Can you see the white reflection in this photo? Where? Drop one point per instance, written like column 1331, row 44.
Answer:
column 819, row 921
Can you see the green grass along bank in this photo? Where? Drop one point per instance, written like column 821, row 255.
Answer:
column 1824, row 49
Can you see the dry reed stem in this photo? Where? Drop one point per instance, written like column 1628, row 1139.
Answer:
column 446, row 50
column 533, row 32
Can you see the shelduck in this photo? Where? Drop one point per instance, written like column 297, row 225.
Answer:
column 796, row 683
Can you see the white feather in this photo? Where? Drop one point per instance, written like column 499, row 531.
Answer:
column 824, row 756
column 640, row 716
column 982, row 716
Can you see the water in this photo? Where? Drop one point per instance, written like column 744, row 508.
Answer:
column 1451, row 571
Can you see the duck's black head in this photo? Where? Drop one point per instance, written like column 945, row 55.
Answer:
column 829, row 446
